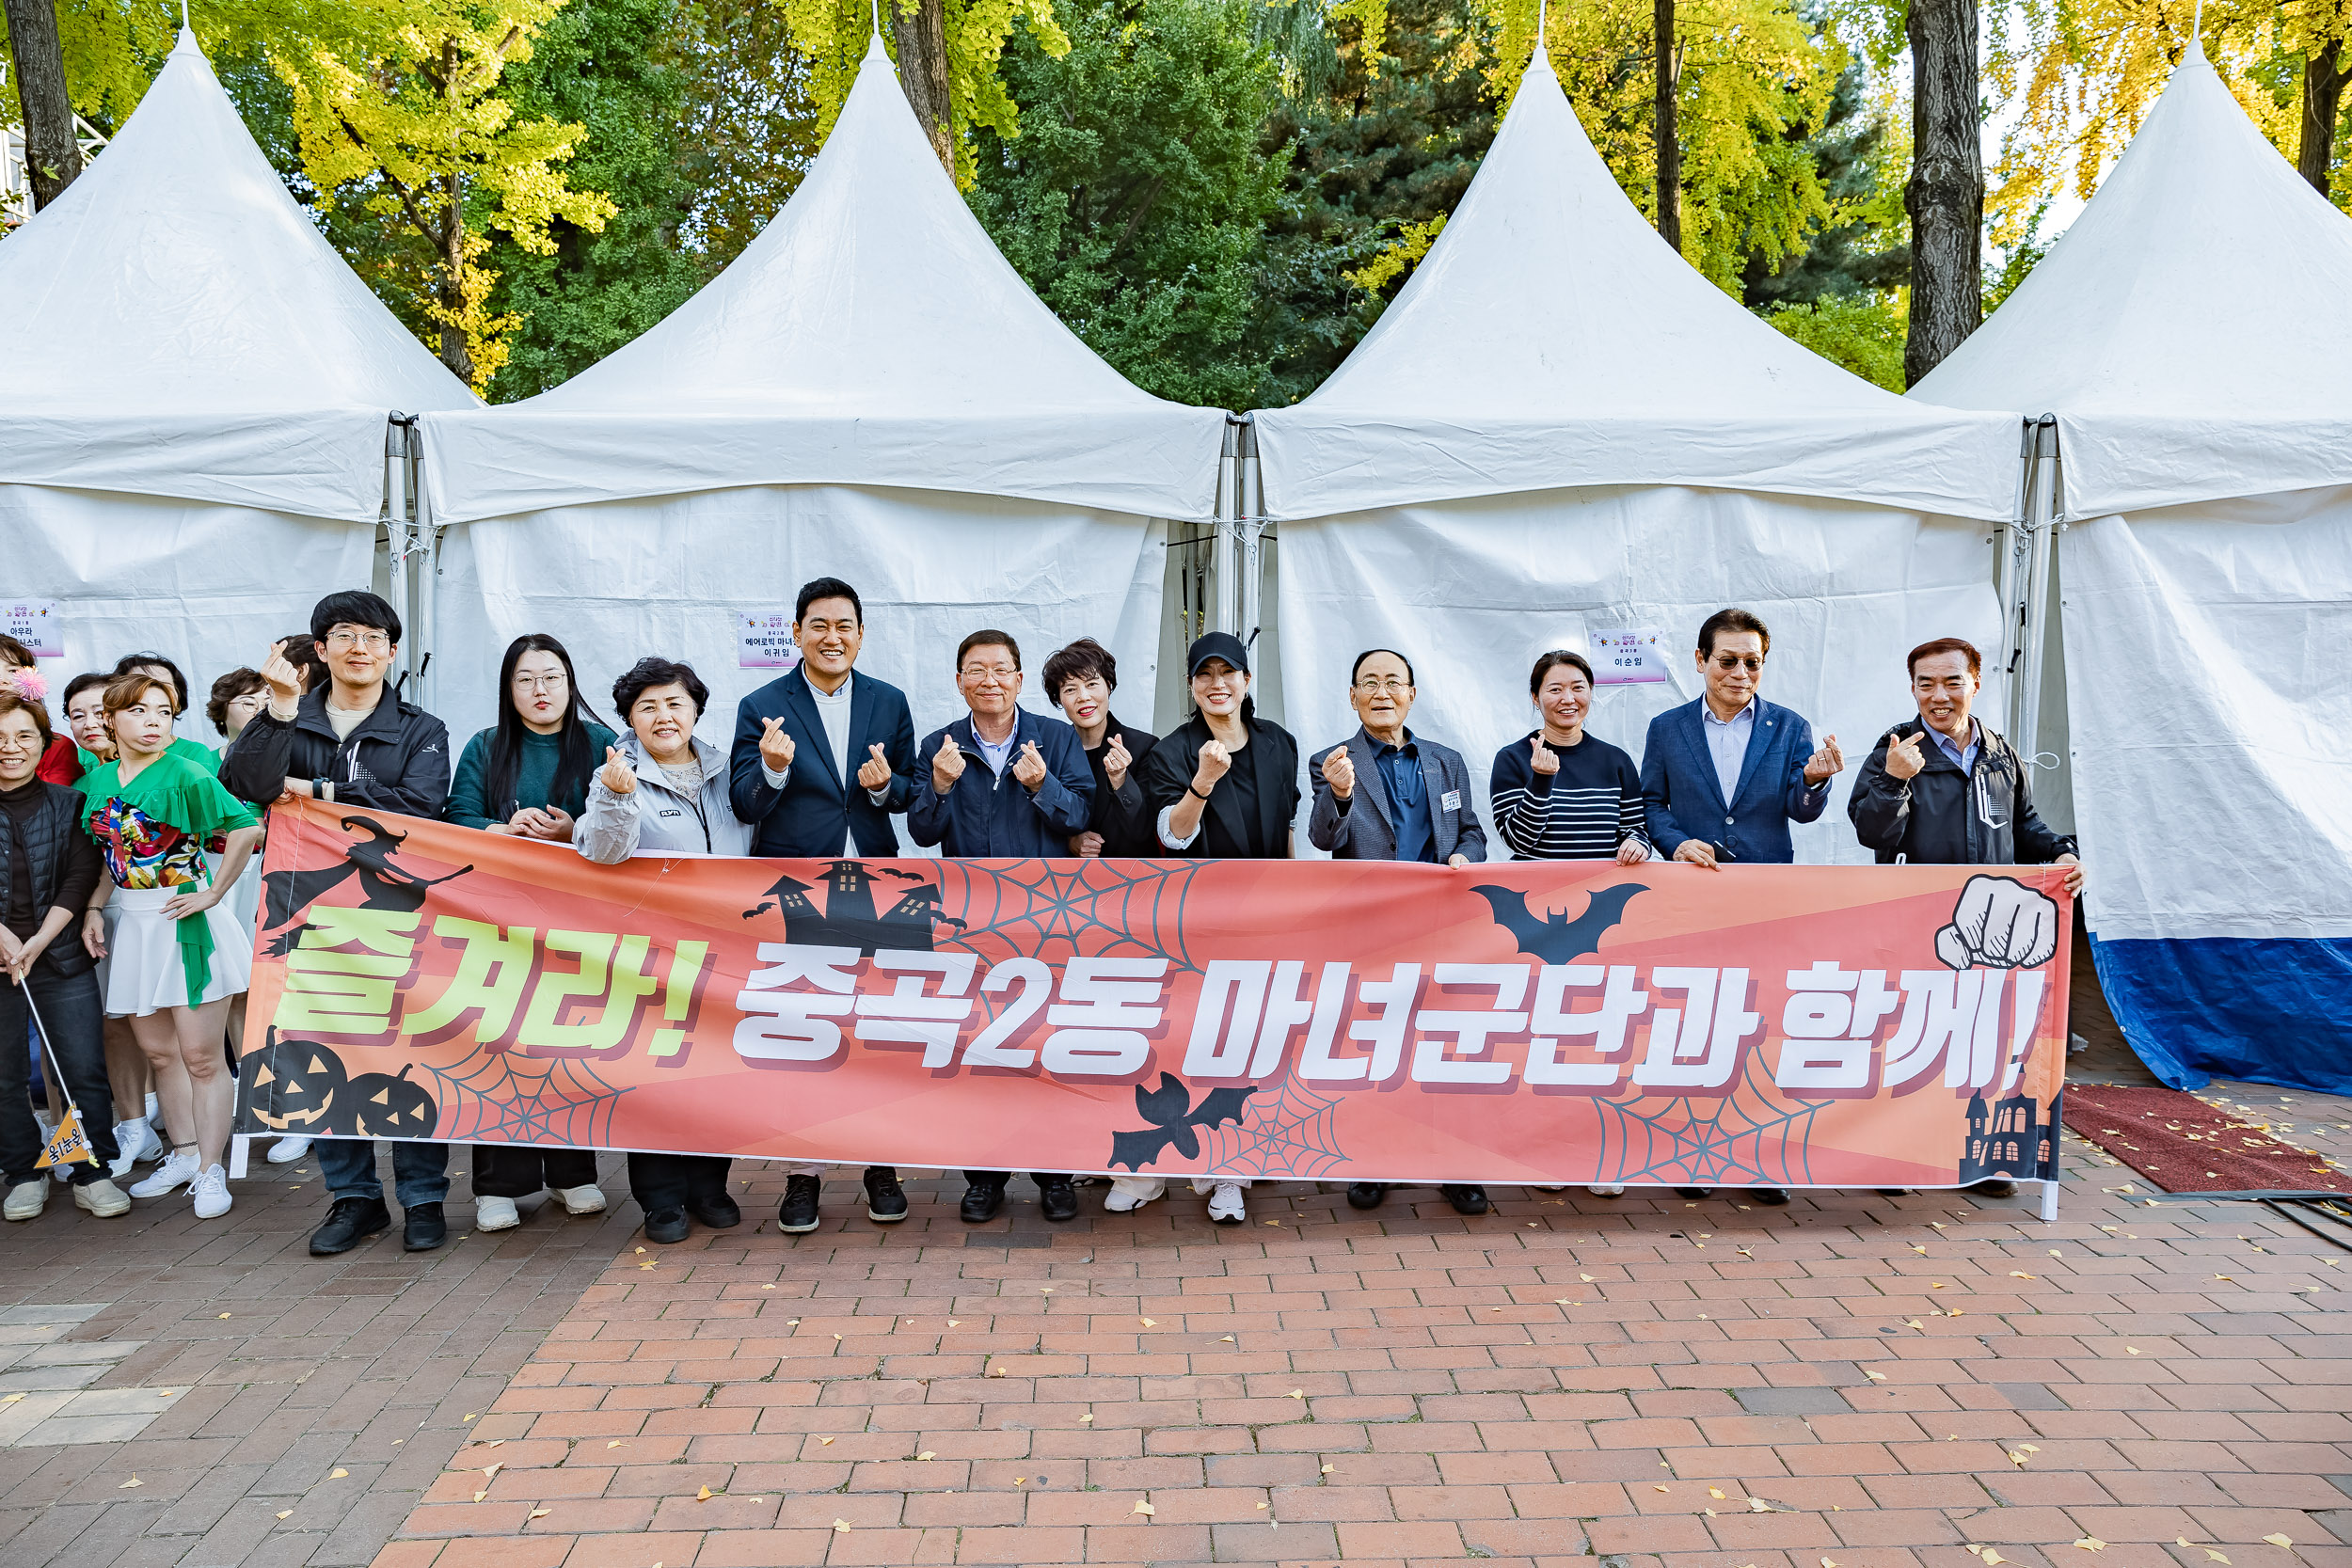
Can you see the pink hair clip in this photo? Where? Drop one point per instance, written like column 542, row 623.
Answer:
column 28, row 684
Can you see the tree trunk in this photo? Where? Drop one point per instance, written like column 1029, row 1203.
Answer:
column 1669, row 127
column 920, row 30
column 51, row 153
column 1945, row 195
column 454, row 352
column 2324, row 80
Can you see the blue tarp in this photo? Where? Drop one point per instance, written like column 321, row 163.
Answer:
column 2259, row 1011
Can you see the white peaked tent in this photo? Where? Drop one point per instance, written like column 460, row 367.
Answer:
column 2192, row 332
column 192, row 420
column 1559, row 429
column 869, row 393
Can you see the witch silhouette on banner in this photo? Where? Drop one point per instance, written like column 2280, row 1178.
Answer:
column 384, row 885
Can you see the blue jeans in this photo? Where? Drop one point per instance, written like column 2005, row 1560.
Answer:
column 419, row 1171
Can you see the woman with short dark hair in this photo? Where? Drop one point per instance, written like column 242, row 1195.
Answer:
column 662, row 791
column 1560, row 794
column 1080, row 678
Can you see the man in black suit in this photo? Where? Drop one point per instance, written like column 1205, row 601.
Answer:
column 821, row 758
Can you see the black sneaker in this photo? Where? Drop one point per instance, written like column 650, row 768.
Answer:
column 1056, row 1200
column 667, row 1225
column 885, row 1200
column 1467, row 1197
column 980, row 1201
column 720, row 1212
column 351, row 1221
column 1366, row 1195
column 1997, row 1186
column 1771, row 1197
column 1694, row 1192
column 421, row 1228
column 797, row 1215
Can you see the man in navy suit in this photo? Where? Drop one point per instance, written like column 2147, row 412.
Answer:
column 1723, row 777
column 821, row 758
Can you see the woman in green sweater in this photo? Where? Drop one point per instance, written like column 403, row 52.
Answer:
column 527, row 775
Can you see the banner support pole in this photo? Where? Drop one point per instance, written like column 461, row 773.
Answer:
column 2049, row 1202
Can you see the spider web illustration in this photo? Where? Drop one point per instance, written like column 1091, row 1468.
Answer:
column 1745, row 1138
column 1104, row 907
column 1286, row 1130
column 503, row 1098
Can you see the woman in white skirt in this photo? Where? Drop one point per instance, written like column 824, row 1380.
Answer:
column 178, row 955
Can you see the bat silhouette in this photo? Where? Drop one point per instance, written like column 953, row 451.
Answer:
column 1173, row 1116
column 1556, row 939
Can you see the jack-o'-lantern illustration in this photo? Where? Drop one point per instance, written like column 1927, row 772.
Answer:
column 382, row 1106
column 290, row 1086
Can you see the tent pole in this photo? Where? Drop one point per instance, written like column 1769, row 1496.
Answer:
column 1251, row 530
column 1223, row 563
column 394, row 519
column 428, row 585
column 2009, row 543
column 2041, row 525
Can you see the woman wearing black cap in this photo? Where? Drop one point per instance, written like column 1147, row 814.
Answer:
column 1223, row 787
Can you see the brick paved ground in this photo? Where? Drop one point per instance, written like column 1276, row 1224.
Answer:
column 1866, row 1381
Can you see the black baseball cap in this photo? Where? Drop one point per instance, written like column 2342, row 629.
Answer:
column 1216, row 644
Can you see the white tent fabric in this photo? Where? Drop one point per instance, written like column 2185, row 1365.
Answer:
column 2189, row 331
column 1550, row 339
column 178, row 328
column 1560, row 429
column 872, row 334
column 2189, row 328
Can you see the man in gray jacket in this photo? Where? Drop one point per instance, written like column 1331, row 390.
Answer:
column 1387, row 793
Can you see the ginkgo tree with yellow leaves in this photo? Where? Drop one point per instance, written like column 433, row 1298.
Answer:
column 406, row 121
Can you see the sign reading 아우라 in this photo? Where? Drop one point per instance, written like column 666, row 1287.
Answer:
column 763, row 640
column 1627, row 656
column 34, row 623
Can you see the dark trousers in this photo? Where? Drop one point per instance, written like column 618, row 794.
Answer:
column 503, row 1170
column 997, row 1179
column 77, row 1022
column 659, row 1181
column 419, row 1171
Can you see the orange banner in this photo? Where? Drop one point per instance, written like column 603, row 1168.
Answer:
column 1527, row 1021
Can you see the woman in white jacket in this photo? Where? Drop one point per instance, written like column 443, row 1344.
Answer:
column 663, row 792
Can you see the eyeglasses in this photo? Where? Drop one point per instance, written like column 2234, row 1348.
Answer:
column 1728, row 662
column 983, row 671
column 21, row 743
column 540, row 682
column 373, row 640
column 1373, row 688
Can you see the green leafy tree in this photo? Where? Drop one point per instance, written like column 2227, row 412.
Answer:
column 749, row 124
column 1135, row 198
column 605, row 65
column 1860, row 248
column 1865, row 333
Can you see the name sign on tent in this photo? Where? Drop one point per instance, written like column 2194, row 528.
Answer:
column 763, row 640
column 35, row 623
column 1536, row 1022
column 1627, row 656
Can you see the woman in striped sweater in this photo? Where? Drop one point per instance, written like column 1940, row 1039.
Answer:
column 1560, row 794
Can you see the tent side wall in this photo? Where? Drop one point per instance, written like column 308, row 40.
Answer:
column 1472, row 591
column 2212, row 755
column 622, row 580
column 208, row 585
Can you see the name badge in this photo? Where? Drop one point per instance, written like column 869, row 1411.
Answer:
column 1451, row 800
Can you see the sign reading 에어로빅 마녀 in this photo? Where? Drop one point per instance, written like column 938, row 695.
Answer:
column 1528, row 1022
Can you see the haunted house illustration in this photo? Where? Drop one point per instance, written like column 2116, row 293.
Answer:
column 847, row 918
column 2008, row 1138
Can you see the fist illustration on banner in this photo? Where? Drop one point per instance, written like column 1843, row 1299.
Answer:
column 775, row 745
column 1028, row 769
column 1338, row 771
column 1999, row 923
column 876, row 773
column 948, row 767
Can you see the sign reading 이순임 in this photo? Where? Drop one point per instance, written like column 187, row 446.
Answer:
column 1528, row 1022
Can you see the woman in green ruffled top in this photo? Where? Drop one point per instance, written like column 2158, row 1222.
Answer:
column 177, row 953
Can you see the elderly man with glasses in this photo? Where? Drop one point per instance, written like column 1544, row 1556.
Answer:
column 1723, row 776
column 1004, row 784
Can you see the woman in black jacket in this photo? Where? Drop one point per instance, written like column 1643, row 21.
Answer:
column 1223, row 785
column 48, row 870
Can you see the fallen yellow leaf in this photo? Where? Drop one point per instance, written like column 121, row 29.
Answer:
column 1149, row 1322
column 285, row 1513
column 703, row 1496
column 2092, row 1543
column 128, row 1484
column 1087, row 1417
column 1757, row 1505
column 2279, row 1541
column 824, row 1442
column 1297, row 1393
column 1875, row 1377
column 1658, row 1489
column 841, row 1527
column 336, row 1475
column 1145, row 1509
column 926, row 1455
column 537, row 1513
column 2216, row 1556
column 1328, row 1468
column 1992, row 1555
column 2019, row 1273
column 1714, row 1491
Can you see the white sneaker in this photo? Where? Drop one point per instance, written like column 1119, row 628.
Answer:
column 1131, row 1193
column 176, row 1170
column 1226, row 1206
column 285, row 1151
column 26, row 1199
column 1607, row 1189
column 582, row 1200
column 495, row 1214
column 210, row 1192
column 134, row 1141
column 102, row 1198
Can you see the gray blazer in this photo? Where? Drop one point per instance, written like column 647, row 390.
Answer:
column 1366, row 831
